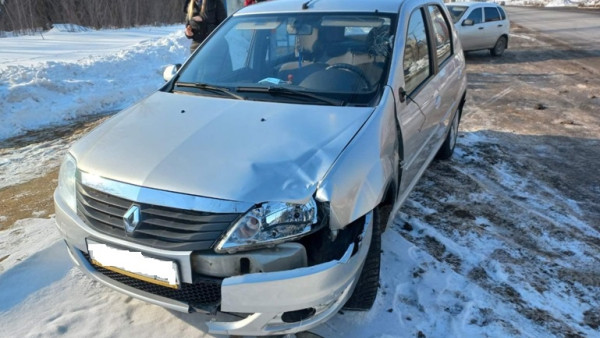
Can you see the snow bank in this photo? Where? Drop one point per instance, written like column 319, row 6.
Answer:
column 91, row 72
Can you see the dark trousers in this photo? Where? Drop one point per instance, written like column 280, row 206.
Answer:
column 194, row 45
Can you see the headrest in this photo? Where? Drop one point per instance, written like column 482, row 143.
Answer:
column 332, row 34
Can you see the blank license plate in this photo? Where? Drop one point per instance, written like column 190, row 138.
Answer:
column 134, row 264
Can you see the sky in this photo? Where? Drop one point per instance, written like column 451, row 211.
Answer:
column 66, row 74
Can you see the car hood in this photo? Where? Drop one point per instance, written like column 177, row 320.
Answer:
column 221, row 148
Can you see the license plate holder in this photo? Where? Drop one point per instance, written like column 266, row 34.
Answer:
column 134, row 264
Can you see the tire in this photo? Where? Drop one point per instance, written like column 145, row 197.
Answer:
column 365, row 292
column 499, row 47
column 447, row 148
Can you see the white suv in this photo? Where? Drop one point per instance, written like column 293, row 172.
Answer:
column 481, row 25
column 259, row 179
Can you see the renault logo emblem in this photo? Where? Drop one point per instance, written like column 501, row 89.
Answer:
column 131, row 219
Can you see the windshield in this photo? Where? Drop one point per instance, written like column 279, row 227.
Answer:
column 456, row 12
column 315, row 58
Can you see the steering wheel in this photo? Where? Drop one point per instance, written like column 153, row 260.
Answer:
column 352, row 69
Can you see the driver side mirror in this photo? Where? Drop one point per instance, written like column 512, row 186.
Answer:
column 170, row 71
column 468, row 22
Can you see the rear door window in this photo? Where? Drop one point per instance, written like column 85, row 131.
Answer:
column 491, row 14
column 416, row 63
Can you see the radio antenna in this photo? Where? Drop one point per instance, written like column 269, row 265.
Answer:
column 306, row 4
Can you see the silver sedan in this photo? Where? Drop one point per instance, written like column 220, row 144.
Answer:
column 259, row 179
column 481, row 25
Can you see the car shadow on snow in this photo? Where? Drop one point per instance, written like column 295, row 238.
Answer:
column 198, row 320
column 36, row 272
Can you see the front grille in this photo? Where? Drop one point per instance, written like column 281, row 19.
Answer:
column 159, row 227
column 204, row 293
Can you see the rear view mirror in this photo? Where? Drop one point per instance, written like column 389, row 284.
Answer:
column 297, row 28
column 170, row 71
column 467, row 22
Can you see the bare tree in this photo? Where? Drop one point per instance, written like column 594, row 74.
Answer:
column 34, row 15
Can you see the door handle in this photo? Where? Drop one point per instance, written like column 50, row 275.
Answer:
column 480, row 28
column 499, row 25
column 438, row 101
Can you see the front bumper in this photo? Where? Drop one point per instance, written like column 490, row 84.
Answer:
column 265, row 297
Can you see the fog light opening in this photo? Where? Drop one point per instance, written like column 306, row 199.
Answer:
column 298, row 315
column 244, row 266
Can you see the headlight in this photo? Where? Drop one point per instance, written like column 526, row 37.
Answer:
column 66, row 181
column 269, row 224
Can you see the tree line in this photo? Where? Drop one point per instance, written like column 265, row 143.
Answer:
column 35, row 15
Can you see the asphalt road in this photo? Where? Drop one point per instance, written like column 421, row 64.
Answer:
column 580, row 28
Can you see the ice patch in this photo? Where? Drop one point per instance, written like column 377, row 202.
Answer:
column 520, row 36
column 38, row 214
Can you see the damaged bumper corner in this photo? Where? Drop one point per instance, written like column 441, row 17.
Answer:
column 322, row 288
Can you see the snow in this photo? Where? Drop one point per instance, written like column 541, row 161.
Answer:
column 443, row 291
column 58, row 76
column 48, row 297
column 31, row 161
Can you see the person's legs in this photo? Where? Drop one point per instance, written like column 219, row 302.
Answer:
column 194, row 45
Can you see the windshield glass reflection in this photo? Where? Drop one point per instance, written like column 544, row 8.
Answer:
column 340, row 57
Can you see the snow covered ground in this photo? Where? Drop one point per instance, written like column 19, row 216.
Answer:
column 72, row 72
column 445, row 272
column 59, row 76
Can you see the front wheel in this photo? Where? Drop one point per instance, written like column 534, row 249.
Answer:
column 447, row 148
column 499, row 47
column 365, row 292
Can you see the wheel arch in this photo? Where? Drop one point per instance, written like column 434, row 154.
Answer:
column 463, row 100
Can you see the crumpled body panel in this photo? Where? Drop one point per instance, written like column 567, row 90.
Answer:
column 227, row 149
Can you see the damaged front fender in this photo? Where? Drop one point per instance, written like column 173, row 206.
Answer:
column 360, row 177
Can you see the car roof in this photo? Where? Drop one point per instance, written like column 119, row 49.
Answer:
column 279, row 6
column 473, row 4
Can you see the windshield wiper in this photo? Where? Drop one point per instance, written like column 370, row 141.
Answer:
column 291, row 92
column 210, row 88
